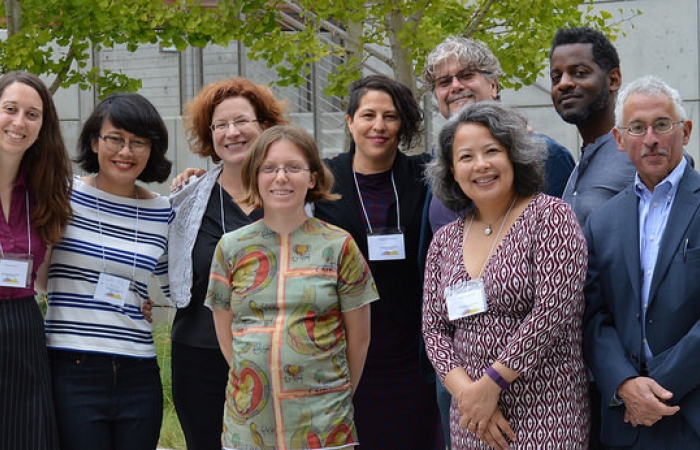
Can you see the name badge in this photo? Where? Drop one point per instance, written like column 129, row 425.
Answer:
column 465, row 299
column 16, row 270
column 386, row 246
column 112, row 289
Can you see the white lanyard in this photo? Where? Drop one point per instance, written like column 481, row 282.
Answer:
column 362, row 203
column 136, row 231
column 29, row 230
column 221, row 207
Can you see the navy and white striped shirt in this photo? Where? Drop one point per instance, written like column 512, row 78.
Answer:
column 107, row 238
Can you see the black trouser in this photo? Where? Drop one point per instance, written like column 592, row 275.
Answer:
column 200, row 376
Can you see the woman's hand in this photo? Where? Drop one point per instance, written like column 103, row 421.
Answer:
column 497, row 431
column 147, row 310
column 183, row 178
column 477, row 402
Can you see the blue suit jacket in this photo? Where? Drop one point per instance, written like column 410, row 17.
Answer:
column 612, row 327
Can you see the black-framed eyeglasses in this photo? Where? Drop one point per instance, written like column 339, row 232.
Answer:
column 463, row 76
column 239, row 124
column 661, row 126
column 291, row 168
column 114, row 144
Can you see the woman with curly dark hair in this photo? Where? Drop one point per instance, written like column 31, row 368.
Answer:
column 383, row 196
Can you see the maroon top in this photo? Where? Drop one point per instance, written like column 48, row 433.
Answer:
column 14, row 239
column 534, row 289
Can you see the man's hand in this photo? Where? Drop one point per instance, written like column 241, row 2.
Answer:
column 645, row 401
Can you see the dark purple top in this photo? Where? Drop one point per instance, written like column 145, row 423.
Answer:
column 14, row 239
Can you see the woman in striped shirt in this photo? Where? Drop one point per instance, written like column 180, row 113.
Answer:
column 106, row 378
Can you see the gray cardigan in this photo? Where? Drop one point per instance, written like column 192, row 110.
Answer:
column 189, row 205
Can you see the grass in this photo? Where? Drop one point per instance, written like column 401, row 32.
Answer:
column 171, row 436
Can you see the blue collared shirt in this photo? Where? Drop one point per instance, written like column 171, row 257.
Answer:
column 602, row 171
column 653, row 211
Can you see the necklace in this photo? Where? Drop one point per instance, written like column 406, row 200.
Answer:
column 488, row 231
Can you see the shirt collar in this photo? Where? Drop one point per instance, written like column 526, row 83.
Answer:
column 670, row 183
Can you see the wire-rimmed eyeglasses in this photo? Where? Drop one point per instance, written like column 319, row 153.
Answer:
column 661, row 126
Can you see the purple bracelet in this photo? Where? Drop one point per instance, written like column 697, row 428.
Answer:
column 495, row 376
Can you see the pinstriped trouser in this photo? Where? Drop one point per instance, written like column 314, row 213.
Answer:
column 27, row 418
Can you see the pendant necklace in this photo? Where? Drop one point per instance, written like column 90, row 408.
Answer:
column 488, row 229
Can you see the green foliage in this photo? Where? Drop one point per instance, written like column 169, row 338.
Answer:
column 519, row 32
column 57, row 36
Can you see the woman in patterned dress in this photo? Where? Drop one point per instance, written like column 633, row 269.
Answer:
column 503, row 301
column 290, row 296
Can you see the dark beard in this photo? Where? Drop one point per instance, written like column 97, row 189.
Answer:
column 584, row 114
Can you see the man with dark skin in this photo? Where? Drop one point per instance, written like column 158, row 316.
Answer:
column 585, row 75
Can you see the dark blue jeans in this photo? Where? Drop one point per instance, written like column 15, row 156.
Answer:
column 444, row 399
column 106, row 402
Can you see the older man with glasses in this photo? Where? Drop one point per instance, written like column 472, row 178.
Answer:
column 641, row 327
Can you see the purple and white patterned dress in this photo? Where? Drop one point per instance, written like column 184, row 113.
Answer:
column 534, row 285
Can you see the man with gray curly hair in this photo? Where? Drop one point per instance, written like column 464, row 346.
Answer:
column 462, row 71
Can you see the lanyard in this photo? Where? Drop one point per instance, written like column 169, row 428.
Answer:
column 362, row 202
column 221, row 207
column 29, row 231
column 136, row 230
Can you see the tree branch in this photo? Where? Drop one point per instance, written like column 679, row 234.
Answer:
column 70, row 56
column 478, row 18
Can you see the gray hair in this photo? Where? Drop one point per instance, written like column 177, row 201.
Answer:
column 649, row 85
column 472, row 54
column 527, row 152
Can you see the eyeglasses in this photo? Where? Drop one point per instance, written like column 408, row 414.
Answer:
column 114, row 144
column 463, row 76
column 269, row 169
column 240, row 124
column 661, row 126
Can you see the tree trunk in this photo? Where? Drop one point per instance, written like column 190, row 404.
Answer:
column 402, row 65
column 14, row 17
